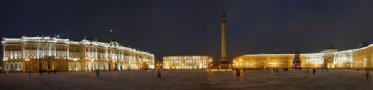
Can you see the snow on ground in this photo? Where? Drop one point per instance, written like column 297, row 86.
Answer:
column 189, row 80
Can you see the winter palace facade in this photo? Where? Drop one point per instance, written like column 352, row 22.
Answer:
column 32, row 54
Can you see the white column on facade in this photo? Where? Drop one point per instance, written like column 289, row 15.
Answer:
column 93, row 53
column 114, row 55
column 23, row 49
column 109, row 54
column 4, row 52
column 106, row 53
column 41, row 51
column 364, row 58
column 121, row 55
column 10, row 52
column 88, row 51
column 55, row 49
column 67, row 51
column 84, row 52
column 37, row 50
column 370, row 55
column 110, row 57
column 112, row 52
column 368, row 58
column 50, row 49
column 43, row 47
column 96, row 53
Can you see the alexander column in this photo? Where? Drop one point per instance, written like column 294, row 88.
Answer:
column 223, row 24
column 223, row 62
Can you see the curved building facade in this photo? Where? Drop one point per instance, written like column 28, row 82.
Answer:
column 32, row 54
column 347, row 59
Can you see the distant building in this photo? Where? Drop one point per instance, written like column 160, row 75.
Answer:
column 32, row 54
column 186, row 62
column 330, row 58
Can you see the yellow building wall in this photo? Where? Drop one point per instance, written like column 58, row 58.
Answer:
column 264, row 61
column 186, row 62
column 360, row 58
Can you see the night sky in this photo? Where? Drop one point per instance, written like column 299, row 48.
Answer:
column 191, row 27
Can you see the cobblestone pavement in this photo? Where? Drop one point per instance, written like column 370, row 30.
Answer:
column 189, row 80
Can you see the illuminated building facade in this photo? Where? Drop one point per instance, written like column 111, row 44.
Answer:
column 264, row 61
column 348, row 59
column 186, row 62
column 32, row 54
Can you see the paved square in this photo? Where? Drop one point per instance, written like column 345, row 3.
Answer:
column 189, row 80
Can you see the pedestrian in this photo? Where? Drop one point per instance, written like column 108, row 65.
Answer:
column 159, row 75
column 238, row 74
column 367, row 76
column 97, row 73
column 313, row 71
column 308, row 71
column 41, row 72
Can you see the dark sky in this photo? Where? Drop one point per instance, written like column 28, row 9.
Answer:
column 191, row 27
